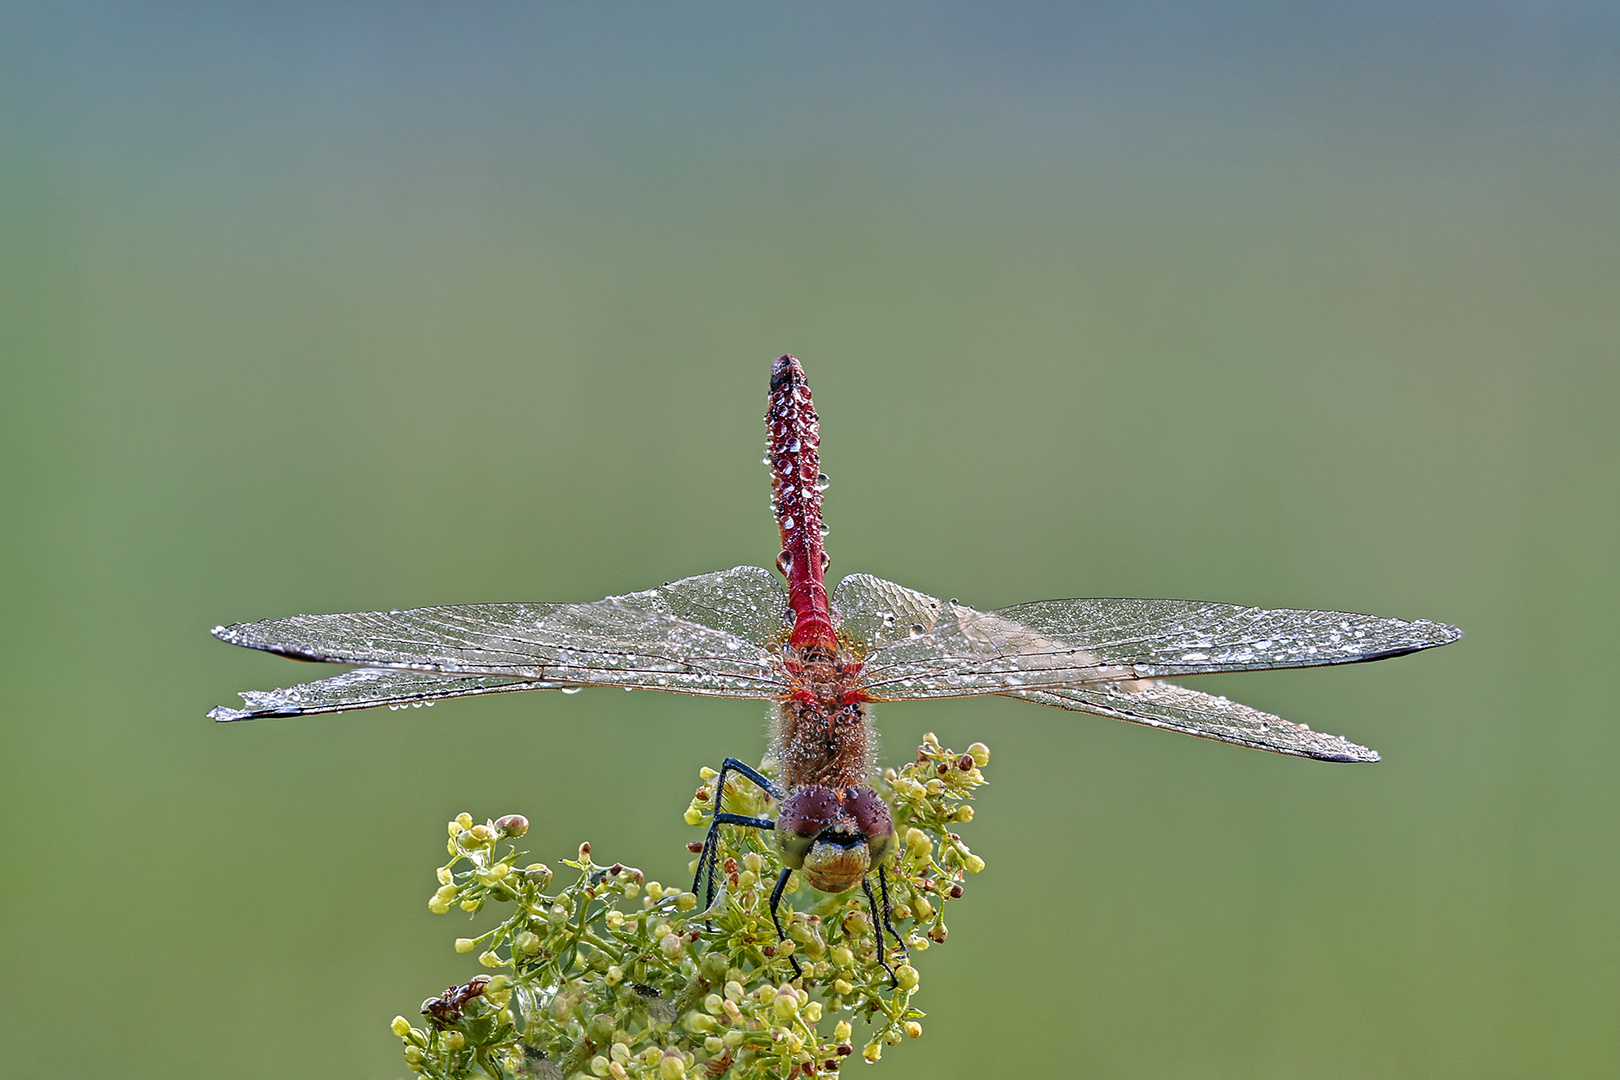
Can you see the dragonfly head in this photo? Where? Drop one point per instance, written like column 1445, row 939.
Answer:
column 834, row 838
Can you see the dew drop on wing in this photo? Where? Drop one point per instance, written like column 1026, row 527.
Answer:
column 576, row 689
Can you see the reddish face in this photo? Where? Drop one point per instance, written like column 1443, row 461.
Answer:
column 834, row 838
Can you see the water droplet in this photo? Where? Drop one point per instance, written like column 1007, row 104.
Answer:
column 787, row 523
column 576, row 689
column 825, row 528
column 916, row 629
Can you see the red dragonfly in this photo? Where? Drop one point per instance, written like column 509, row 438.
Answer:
column 822, row 661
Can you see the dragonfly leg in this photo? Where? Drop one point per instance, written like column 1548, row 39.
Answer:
column 877, row 923
column 776, row 899
column 883, row 890
column 711, row 842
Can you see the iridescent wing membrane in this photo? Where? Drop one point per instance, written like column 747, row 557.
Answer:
column 701, row 635
column 1105, row 656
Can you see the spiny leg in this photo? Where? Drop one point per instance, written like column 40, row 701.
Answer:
column 711, row 841
column 883, row 890
column 877, row 924
column 776, row 898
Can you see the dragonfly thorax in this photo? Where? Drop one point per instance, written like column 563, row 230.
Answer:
column 822, row 732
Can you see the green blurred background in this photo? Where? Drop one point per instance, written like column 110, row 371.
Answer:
column 314, row 307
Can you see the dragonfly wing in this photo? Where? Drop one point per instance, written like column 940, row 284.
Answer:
column 702, row 635
column 369, row 687
column 1067, row 643
column 1179, row 708
column 873, row 613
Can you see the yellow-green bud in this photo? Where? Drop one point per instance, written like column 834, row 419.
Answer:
column 872, row 1052
column 707, row 774
column 539, row 873
column 765, row 994
column 935, row 786
column 446, row 892
column 973, row 864
column 919, row 844
column 734, row 990
column 437, row 906
column 963, row 813
column 892, row 1038
column 445, row 876
column 400, row 1027
column 599, row 1065
column 614, row 919
column 465, row 944
column 616, row 1071
column 672, row 1067
column 980, row 754
column 841, row 956
column 906, row 976
column 454, row 1040
column 496, row 873
column 464, row 819
column 489, row 959
column 480, row 834
column 413, row 1056
column 812, row 1012
column 686, row 901
column 471, row 904
column 714, row 1044
column 654, row 890
column 924, row 909
column 694, row 816
column 842, row 987
column 842, row 1032
column 701, row 1023
column 754, row 861
column 512, row 825
column 615, row 975
column 747, row 880
column 734, row 1038
column 671, row 944
column 786, row 1006
column 620, row 1052
column 527, row 943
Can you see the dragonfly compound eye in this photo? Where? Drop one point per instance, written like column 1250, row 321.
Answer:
column 802, row 817
column 872, row 817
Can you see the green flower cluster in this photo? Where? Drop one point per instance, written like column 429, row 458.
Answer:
column 617, row 976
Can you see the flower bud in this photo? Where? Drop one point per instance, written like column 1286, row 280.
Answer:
column 539, row 873
column 843, row 988
column 906, row 976
column 620, row 1052
column 786, row 1006
column 923, row 908
column 616, row 1071
column 672, row 1067
column 754, row 861
column 599, row 1065
column 694, row 816
column 413, row 1056
column 655, row 891
column 765, row 994
column 445, row 876
column 513, row 825
column 489, row 958
column 919, row 845
column 980, row 754
column 734, row 991
column 585, row 852
column 812, row 1012
column 615, row 975
column 935, row 786
column 471, row 904
column 465, row 944
column 701, row 1023
column 842, row 957
column 873, row 1051
column 437, row 906
column 671, row 944
column 527, row 942
column 685, row 901
column 400, row 1027
column 455, row 1040
column 480, row 834
column 973, row 864
column 963, row 814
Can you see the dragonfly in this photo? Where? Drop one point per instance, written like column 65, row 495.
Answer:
column 823, row 659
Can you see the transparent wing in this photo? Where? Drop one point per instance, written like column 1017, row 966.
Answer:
column 370, row 687
column 948, row 650
column 1178, row 708
column 701, row 635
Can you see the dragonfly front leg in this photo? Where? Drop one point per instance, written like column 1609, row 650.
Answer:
column 879, row 922
column 711, row 842
column 776, row 900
